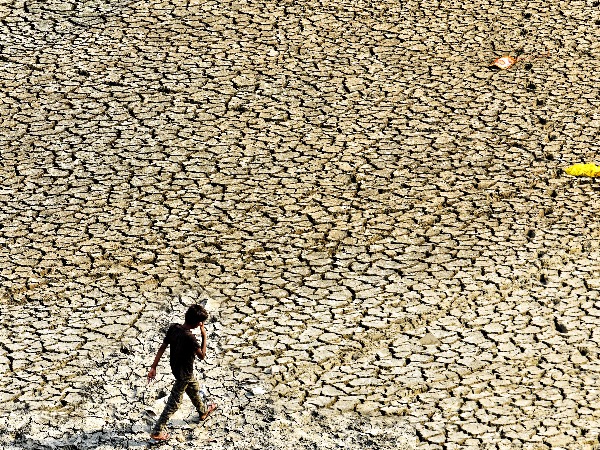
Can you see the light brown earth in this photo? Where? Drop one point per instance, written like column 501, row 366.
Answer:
column 379, row 222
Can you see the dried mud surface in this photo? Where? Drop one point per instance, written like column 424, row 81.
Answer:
column 378, row 222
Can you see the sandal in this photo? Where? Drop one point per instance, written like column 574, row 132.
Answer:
column 162, row 436
column 210, row 409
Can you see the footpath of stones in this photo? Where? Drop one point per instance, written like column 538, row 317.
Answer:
column 377, row 220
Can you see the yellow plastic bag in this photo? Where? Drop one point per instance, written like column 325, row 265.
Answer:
column 584, row 170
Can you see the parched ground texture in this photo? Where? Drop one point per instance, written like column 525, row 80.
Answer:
column 378, row 221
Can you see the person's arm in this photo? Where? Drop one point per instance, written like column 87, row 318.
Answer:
column 201, row 352
column 152, row 372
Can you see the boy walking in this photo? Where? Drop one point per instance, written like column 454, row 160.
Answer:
column 184, row 348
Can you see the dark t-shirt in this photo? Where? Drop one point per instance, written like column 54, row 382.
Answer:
column 183, row 351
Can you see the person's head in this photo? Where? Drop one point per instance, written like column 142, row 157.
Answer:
column 195, row 315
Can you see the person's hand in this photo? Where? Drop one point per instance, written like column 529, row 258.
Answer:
column 151, row 374
column 202, row 329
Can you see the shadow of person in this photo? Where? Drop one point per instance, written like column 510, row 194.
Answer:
column 88, row 440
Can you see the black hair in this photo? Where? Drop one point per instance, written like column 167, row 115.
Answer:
column 195, row 314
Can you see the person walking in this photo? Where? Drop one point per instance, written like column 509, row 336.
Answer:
column 184, row 349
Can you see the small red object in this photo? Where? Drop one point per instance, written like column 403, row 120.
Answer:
column 504, row 62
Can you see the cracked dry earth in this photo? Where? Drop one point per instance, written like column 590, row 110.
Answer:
column 378, row 222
